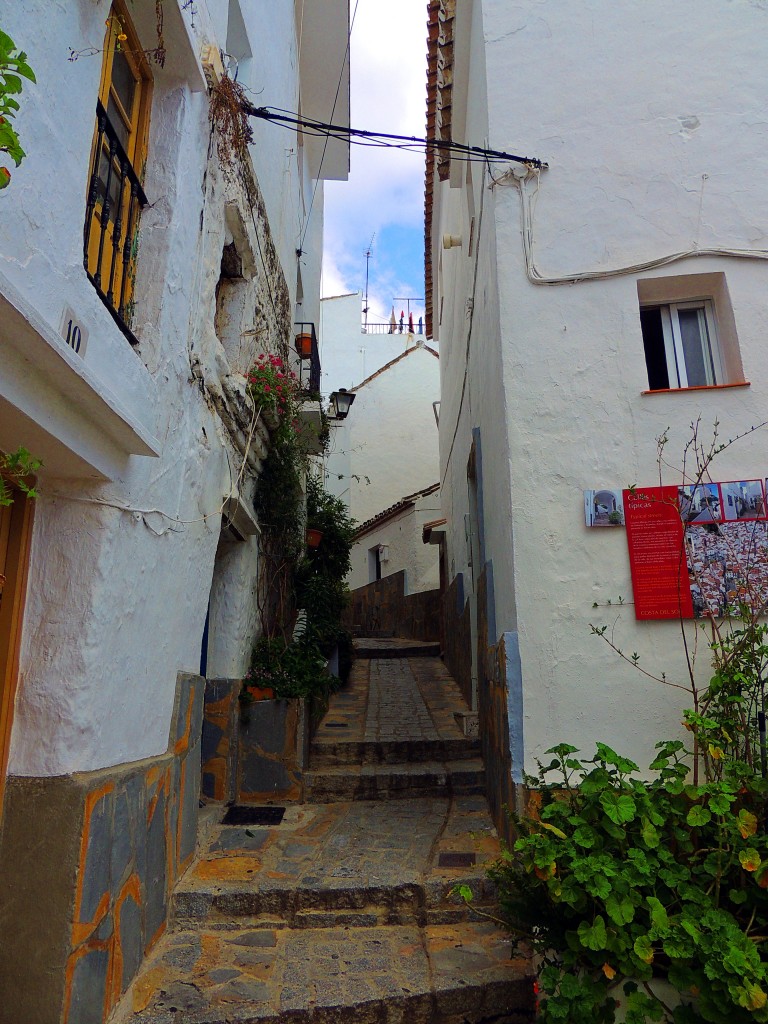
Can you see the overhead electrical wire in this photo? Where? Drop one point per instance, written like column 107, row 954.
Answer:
column 361, row 137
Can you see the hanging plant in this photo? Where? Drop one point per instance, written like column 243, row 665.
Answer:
column 13, row 67
column 14, row 468
column 272, row 386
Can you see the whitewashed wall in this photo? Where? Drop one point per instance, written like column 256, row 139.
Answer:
column 349, row 355
column 121, row 568
column 393, row 436
column 645, row 114
column 402, row 537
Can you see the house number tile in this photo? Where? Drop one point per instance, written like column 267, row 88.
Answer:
column 73, row 332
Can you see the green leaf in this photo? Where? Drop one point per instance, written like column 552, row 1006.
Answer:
column 620, row 809
column 699, row 815
column 598, row 886
column 593, row 936
column 643, row 948
column 720, row 803
column 623, row 764
column 650, row 834
column 620, row 909
column 585, row 836
column 659, row 917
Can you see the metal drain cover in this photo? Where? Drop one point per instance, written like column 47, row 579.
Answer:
column 239, row 815
column 456, row 860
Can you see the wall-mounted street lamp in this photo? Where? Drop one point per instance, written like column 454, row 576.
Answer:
column 341, row 402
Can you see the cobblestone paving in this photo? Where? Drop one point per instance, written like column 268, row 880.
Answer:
column 396, row 709
column 343, row 913
column 279, row 975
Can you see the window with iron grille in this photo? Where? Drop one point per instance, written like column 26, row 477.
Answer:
column 115, row 196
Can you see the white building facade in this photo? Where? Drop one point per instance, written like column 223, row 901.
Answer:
column 583, row 310
column 122, row 367
column 386, row 450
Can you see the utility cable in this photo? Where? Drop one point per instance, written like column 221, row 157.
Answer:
column 361, row 136
column 528, row 211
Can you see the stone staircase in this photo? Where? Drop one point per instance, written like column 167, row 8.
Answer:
column 344, row 910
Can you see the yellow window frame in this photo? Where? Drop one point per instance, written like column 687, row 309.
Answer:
column 120, row 38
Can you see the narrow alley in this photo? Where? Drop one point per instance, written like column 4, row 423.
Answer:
column 341, row 908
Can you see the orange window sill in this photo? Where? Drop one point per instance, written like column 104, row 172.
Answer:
column 699, row 387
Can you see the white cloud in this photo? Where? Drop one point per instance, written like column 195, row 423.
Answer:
column 388, row 94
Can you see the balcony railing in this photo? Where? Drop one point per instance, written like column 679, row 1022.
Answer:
column 115, row 201
column 309, row 369
column 390, row 328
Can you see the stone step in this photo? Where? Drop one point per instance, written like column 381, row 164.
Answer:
column 370, row 647
column 441, row 974
column 328, row 754
column 336, row 901
column 397, row 781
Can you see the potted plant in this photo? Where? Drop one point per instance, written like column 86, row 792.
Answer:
column 304, row 345
column 314, row 537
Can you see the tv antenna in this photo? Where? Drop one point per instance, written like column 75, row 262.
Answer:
column 368, row 253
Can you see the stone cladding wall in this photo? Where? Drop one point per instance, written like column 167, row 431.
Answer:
column 87, row 865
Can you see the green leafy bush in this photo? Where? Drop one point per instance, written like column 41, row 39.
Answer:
column 620, row 880
column 320, row 576
column 297, row 669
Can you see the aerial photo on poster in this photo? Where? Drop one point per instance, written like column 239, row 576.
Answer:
column 721, row 530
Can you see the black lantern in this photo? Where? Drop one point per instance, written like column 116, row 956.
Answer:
column 341, row 402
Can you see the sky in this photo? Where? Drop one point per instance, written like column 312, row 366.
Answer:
column 384, row 197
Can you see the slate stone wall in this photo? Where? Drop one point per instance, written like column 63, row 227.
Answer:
column 384, row 609
column 457, row 630
column 255, row 754
column 87, row 865
column 271, row 741
column 220, row 738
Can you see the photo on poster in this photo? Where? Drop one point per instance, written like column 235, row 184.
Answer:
column 727, row 567
column 603, row 508
column 700, row 503
column 743, row 499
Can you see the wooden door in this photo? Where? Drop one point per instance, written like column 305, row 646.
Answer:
column 15, row 531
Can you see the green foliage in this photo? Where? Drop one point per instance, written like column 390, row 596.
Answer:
column 619, row 879
column 291, row 670
column 14, row 467
column 320, row 586
column 13, row 68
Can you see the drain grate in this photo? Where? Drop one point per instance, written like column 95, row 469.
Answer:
column 253, row 816
column 336, row 725
column 456, row 860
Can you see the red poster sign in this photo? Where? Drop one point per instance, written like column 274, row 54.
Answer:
column 657, row 556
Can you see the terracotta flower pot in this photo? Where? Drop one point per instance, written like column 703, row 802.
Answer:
column 261, row 692
column 304, row 345
column 314, row 537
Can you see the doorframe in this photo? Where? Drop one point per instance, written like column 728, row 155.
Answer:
column 11, row 619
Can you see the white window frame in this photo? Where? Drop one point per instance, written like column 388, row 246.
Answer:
column 673, row 342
